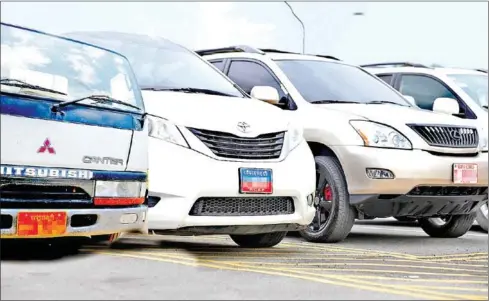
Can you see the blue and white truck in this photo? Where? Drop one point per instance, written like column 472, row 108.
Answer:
column 73, row 139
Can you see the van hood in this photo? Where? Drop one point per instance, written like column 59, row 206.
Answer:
column 395, row 115
column 215, row 113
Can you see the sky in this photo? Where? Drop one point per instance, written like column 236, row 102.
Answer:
column 453, row 34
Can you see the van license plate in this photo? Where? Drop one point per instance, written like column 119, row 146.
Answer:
column 41, row 223
column 255, row 180
column 464, row 173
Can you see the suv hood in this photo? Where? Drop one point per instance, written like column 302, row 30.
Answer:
column 395, row 115
column 215, row 113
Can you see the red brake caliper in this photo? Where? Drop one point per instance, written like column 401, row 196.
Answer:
column 328, row 193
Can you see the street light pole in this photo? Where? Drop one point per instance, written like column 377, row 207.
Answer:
column 303, row 28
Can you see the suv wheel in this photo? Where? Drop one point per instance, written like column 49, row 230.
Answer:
column 334, row 215
column 264, row 240
column 447, row 227
column 481, row 216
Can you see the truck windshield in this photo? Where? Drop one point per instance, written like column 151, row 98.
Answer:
column 37, row 64
column 473, row 84
column 161, row 64
column 323, row 81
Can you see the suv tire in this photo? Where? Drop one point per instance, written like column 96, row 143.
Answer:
column 481, row 217
column 263, row 240
column 456, row 226
column 342, row 215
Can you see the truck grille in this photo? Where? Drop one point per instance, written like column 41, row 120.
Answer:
column 447, row 136
column 266, row 146
column 37, row 192
column 242, row 206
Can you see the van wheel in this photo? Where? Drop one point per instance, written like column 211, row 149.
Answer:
column 334, row 215
column 481, row 216
column 447, row 227
column 264, row 240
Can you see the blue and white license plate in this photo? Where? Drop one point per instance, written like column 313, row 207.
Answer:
column 255, row 180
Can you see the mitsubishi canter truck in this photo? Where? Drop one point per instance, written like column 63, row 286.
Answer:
column 73, row 139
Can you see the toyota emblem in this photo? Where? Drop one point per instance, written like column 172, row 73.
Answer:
column 243, row 126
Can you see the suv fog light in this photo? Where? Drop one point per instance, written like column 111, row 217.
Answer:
column 310, row 199
column 377, row 173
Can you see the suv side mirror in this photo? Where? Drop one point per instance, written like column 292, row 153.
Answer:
column 446, row 105
column 410, row 99
column 266, row 93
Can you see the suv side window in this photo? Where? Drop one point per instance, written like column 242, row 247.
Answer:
column 248, row 74
column 218, row 64
column 386, row 77
column 424, row 90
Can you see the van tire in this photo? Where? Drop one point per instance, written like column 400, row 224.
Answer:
column 456, row 226
column 339, row 225
column 263, row 240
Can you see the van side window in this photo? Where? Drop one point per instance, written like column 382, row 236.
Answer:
column 218, row 64
column 249, row 74
column 424, row 90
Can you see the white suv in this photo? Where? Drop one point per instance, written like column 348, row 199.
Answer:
column 466, row 89
column 220, row 162
column 376, row 154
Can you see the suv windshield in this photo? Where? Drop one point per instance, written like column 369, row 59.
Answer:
column 473, row 84
column 38, row 64
column 161, row 64
column 328, row 81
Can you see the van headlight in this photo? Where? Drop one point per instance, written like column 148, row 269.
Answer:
column 295, row 136
column 165, row 130
column 378, row 135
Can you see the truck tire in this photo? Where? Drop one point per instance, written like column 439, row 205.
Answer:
column 331, row 189
column 452, row 227
column 264, row 240
column 105, row 239
column 481, row 216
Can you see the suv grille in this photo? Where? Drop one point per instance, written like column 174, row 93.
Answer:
column 447, row 136
column 242, row 206
column 266, row 146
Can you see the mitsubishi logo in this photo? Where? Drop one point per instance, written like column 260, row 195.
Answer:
column 46, row 146
column 243, row 126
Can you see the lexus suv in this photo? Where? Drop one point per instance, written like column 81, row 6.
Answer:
column 376, row 154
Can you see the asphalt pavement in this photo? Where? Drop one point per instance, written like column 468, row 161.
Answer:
column 381, row 259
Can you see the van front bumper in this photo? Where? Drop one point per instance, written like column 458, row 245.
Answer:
column 97, row 221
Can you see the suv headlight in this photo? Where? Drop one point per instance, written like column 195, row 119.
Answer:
column 378, row 135
column 295, row 136
column 165, row 130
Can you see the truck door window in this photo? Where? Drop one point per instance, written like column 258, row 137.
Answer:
column 424, row 90
column 249, row 74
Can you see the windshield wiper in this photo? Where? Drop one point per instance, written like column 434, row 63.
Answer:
column 22, row 84
column 188, row 90
column 379, row 102
column 97, row 98
column 332, row 101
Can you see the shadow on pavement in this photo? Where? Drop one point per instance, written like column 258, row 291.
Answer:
column 39, row 250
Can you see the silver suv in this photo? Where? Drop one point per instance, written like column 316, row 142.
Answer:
column 376, row 154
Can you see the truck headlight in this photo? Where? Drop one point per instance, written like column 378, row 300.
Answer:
column 378, row 135
column 165, row 130
column 113, row 193
column 295, row 136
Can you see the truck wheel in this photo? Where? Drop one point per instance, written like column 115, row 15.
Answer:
column 448, row 227
column 405, row 219
column 481, row 216
column 105, row 239
column 265, row 240
column 334, row 215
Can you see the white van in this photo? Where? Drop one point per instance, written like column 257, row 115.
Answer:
column 73, row 140
column 220, row 161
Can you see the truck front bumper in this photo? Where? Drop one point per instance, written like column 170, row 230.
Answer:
column 84, row 222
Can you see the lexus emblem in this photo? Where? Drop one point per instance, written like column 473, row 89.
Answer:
column 243, row 126
column 46, row 146
column 455, row 134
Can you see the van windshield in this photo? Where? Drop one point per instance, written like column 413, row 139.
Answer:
column 322, row 81
column 38, row 64
column 473, row 84
column 161, row 64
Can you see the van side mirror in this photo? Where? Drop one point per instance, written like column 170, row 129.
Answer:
column 446, row 105
column 266, row 93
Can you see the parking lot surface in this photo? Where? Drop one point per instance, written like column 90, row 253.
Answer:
column 381, row 259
